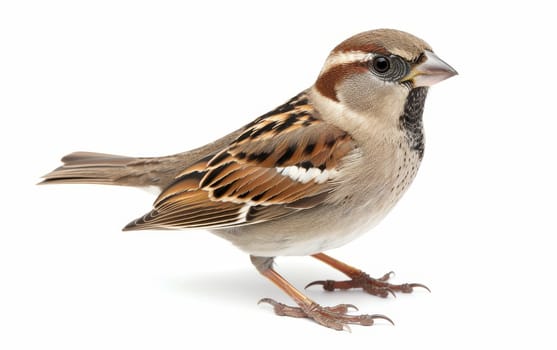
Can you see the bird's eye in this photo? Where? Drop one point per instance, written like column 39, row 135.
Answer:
column 389, row 68
column 381, row 64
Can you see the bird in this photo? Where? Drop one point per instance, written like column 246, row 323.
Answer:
column 311, row 175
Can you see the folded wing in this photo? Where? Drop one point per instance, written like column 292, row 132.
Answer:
column 282, row 162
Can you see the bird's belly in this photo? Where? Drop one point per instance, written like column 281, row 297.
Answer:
column 303, row 233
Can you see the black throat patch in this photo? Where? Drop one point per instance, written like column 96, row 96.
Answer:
column 411, row 119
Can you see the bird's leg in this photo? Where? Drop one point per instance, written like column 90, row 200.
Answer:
column 335, row 317
column 360, row 279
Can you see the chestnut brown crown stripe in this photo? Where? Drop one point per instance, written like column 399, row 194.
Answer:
column 327, row 82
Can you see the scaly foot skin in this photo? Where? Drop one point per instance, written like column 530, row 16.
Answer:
column 334, row 317
column 375, row 286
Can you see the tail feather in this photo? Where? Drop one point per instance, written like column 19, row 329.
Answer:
column 92, row 168
column 95, row 159
column 109, row 169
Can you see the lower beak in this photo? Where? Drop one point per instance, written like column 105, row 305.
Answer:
column 431, row 71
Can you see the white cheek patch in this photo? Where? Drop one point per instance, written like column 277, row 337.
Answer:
column 304, row 175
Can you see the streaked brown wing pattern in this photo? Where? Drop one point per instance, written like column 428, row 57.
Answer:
column 279, row 164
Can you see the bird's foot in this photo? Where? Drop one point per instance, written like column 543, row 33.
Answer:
column 335, row 317
column 376, row 286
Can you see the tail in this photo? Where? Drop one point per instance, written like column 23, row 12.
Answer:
column 108, row 169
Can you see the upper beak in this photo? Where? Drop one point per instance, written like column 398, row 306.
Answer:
column 431, row 71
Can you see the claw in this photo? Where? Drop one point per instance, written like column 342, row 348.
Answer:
column 328, row 285
column 315, row 283
column 267, row 301
column 409, row 287
column 419, row 285
column 380, row 291
column 383, row 317
column 391, row 291
column 387, row 276
column 346, row 307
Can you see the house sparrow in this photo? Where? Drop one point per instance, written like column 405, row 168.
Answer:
column 309, row 176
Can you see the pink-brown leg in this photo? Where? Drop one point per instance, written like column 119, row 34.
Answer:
column 335, row 317
column 360, row 279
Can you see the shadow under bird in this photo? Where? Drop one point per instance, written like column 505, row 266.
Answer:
column 309, row 176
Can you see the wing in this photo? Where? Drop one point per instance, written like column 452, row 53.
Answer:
column 282, row 162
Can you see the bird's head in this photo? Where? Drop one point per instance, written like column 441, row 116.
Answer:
column 374, row 72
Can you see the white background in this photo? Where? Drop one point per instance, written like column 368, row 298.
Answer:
column 154, row 78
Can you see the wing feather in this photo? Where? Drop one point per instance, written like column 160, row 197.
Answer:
column 282, row 162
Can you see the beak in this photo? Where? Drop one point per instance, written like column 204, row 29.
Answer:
column 431, row 71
